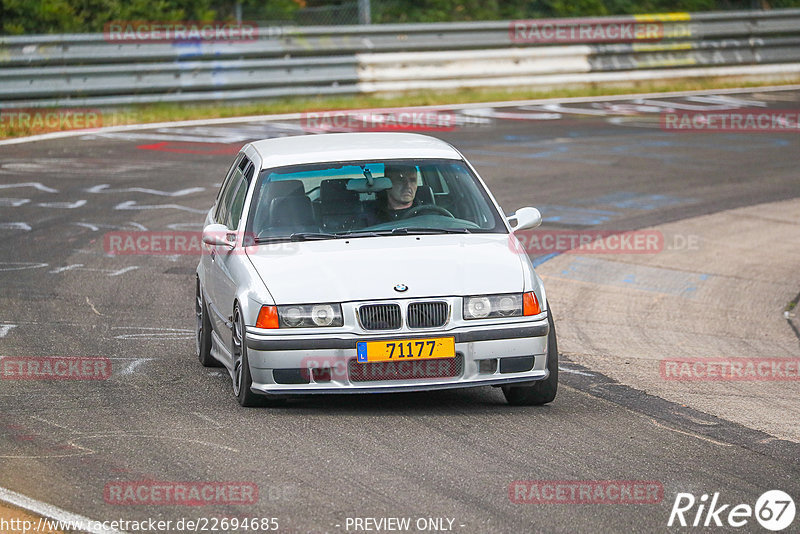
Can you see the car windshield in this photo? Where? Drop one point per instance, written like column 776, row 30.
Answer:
column 337, row 199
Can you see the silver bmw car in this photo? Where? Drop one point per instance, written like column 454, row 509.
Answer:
column 368, row 263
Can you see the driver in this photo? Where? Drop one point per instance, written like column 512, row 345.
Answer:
column 401, row 198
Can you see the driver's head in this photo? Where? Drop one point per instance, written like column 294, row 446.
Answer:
column 404, row 185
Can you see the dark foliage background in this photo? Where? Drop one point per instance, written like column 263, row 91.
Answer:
column 68, row 16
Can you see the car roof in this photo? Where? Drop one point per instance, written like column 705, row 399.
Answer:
column 302, row 149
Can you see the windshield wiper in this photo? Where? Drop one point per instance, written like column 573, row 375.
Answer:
column 297, row 236
column 422, row 230
column 359, row 234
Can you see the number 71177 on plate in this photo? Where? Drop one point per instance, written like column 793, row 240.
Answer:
column 390, row 350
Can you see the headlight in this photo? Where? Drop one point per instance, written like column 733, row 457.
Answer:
column 486, row 306
column 310, row 315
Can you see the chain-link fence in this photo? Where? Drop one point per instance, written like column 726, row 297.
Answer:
column 333, row 13
column 302, row 13
column 78, row 16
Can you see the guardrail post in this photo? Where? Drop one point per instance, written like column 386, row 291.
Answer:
column 364, row 12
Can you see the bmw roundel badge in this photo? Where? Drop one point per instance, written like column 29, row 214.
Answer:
column 401, row 288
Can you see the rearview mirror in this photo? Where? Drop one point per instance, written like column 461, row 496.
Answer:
column 524, row 218
column 219, row 235
column 361, row 185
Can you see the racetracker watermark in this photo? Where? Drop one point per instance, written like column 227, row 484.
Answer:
column 185, row 243
column 587, row 241
column 743, row 120
column 379, row 120
column 586, row 492
column 143, row 31
column 585, row 31
column 54, row 368
column 730, row 369
column 63, row 118
column 338, row 369
column 166, row 243
column 160, row 493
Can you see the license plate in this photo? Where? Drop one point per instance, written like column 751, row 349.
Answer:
column 391, row 350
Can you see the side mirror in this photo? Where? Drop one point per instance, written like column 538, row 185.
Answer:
column 524, row 218
column 219, row 235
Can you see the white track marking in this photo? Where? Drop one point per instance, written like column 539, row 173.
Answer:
column 207, row 419
column 157, row 335
column 185, row 226
column 13, row 202
column 574, row 372
column 131, row 367
column 49, row 511
column 715, row 442
column 687, row 107
column 104, row 188
column 127, row 136
column 525, row 115
column 121, row 271
column 151, row 328
column 298, row 116
column 35, row 185
column 58, row 270
column 94, row 227
column 132, row 205
column 43, row 420
column 129, row 436
column 5, row 329
column 20, row 265
column 558, row 108
column 25, row 227
column 80, row 267
column 64, row 205
column 89, row 302
column 719, row 99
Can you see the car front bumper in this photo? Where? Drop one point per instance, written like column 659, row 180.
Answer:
column 324, row 364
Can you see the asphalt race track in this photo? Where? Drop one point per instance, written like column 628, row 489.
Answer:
column 320, row 462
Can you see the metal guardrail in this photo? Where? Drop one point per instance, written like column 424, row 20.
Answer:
column 88, row 69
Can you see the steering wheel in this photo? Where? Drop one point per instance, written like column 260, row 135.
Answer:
column 427, row 207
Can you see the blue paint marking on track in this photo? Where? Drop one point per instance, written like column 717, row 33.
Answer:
column 575, row 215
column 541, row 259
column 638, row 201
column 552, row 153
column 639, row 277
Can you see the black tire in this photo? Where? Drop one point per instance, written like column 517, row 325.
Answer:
column 541, row 391
column 203, row 331
column 242, row 380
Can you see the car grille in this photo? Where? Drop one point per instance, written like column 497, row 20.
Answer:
column 380, row 316
column 405, row 370
column 427, row 314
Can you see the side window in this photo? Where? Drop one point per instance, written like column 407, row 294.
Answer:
column 228, row 189
column 227, row 179
column 237, row 205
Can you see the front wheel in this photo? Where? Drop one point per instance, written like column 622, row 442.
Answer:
column 242, row 380
column 541, row 391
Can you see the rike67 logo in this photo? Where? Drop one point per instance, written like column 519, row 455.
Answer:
column 774, row 510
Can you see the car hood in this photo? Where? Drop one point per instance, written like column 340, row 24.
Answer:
column 368, row 268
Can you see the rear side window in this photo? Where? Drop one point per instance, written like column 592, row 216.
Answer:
column 229, row 188
column 228, row 176
column 237, row 204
